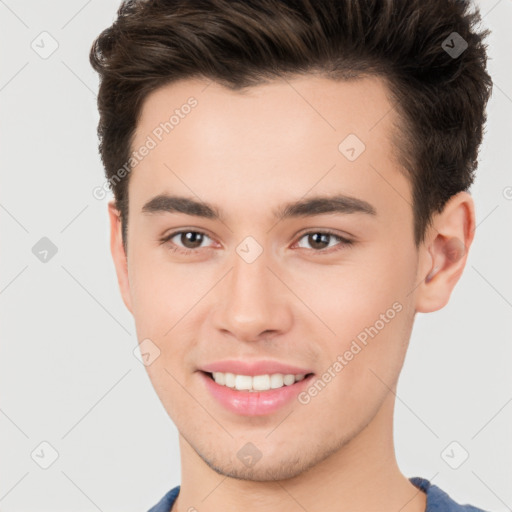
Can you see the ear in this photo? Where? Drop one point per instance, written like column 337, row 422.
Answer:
column 118, row 254
column 444, row 253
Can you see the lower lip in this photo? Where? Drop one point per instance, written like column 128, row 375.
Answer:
column 254, row 403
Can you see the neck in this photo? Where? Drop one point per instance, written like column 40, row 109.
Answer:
column 361, row 475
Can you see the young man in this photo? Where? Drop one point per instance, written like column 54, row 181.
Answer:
column 290, row 182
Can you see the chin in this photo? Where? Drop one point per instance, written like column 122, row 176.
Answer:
column 268, row 472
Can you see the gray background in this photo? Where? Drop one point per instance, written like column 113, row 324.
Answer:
column 68, row 376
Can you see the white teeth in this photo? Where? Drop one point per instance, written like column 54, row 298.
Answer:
column 277, row 380
column 220, row 378
column 289, row 380
column 229, row 379
column 261, row 382
column 243, row 382
column 256, row 382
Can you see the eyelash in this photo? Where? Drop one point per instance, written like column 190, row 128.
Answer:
column 344, row 242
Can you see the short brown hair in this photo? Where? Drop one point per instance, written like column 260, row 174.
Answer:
column 440, row 95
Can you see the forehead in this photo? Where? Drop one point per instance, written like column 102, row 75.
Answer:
column 289, row 136
column 282, row 105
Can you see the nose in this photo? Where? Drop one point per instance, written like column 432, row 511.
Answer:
column 251, row 302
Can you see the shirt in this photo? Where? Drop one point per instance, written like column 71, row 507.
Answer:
column 437, row 499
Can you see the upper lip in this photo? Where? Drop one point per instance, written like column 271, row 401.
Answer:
column 251, row 368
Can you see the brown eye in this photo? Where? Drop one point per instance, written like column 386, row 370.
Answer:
column 185, row 241
column 191, row 239
column 319, row 241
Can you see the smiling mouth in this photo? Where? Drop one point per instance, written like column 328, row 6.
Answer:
column 256, row 383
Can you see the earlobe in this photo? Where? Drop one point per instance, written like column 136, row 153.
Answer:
column 118, row 254
column 445, row 253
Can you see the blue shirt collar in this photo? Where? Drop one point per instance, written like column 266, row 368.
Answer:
column 437, row 499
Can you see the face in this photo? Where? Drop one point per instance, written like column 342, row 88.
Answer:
column 323, row 287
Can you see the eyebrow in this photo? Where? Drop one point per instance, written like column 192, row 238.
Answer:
column 317, row 205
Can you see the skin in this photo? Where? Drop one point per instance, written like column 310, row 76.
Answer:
column 249, row 153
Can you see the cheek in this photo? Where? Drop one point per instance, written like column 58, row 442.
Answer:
column 369, row 333
column 162, row 293
column 368, row 308
column 352, row 295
